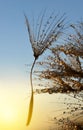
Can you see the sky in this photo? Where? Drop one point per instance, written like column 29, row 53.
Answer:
column 16, row 52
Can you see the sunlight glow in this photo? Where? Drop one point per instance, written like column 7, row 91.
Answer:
column 8, row 115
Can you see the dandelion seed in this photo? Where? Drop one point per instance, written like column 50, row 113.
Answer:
column 46, row 34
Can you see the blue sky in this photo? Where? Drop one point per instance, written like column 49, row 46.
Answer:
column 15, row 48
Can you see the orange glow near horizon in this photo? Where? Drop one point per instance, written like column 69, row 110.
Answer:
column 14, row 104
column 8, row 115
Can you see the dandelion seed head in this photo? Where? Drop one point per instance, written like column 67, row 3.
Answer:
column 47, row 32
